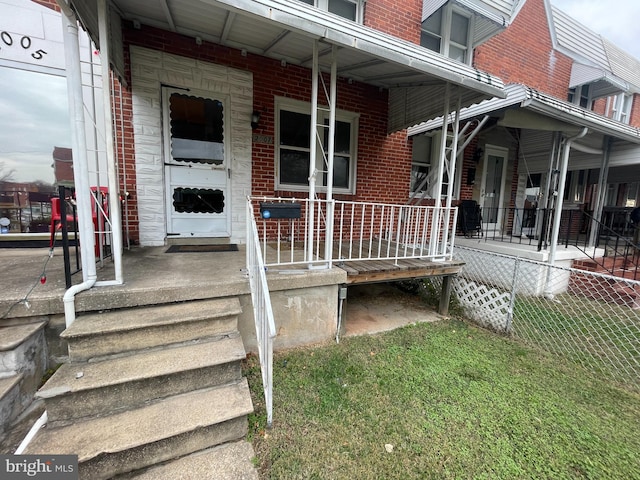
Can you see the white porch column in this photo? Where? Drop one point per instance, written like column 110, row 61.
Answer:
column 557, row 214
column 112, row 175
column 333, row 90
column 602, row 190
column 79, row 142
column 312, row 153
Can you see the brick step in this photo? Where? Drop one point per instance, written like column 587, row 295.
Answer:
column 82, row 389
column 232, row 461
column 124, row 331
column 168, row 429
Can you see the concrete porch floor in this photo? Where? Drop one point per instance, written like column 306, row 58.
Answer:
column 153, row 276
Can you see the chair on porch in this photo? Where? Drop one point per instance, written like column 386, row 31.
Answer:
column 470, row 218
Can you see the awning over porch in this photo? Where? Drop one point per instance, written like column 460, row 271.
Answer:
column 564, row 116
column 286, row 30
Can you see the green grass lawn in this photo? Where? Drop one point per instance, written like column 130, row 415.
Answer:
column 445, row 400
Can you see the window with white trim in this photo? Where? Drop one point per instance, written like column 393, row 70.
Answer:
column 575, row 186
column 448, row 31
column 619, row 107
column 293, row 147
column 581, row 95
column 350, row 9
column 420, row 163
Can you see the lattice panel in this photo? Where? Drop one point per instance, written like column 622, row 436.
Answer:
column 486, row 305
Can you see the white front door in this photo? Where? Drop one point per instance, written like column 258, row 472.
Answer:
column 196, row 162
column 492, row 187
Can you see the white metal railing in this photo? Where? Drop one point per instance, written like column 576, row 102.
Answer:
column 262, row 311
column 361, row 231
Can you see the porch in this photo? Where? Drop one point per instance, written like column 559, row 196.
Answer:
column 153, row 276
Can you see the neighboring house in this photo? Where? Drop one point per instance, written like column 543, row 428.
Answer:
column 560, row 78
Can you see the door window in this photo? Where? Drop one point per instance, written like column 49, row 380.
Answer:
column 196, row 130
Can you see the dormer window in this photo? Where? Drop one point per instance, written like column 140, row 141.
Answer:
column 349, row 9
column 448, row 31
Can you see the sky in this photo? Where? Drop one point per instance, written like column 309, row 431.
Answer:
column 35, row 119
column 615, row 20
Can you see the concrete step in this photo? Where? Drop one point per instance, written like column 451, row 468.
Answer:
column 16, row 345
column 122, row 331
column 83, row 389
column 231, row 461
column 168, row 429
column 10, row 406
column 23, row 362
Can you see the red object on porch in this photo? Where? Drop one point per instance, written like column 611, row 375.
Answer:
column 56, row 219
column 99, row 196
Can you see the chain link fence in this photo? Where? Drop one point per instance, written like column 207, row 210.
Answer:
column 589, row 318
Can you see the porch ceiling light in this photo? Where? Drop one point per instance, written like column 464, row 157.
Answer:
column 255, row 119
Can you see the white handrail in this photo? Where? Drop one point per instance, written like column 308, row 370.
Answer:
column 362, row 231
column 262, row 310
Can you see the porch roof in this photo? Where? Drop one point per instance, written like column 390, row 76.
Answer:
column 567, row 115
column 286, row 30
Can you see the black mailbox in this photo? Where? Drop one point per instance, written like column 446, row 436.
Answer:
column 279, row 210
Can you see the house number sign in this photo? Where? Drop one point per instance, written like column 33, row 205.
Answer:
column 7, row 40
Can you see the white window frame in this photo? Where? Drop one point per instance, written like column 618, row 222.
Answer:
column 324, row 5
column 297, row 106
column 420, row 161
column 620, row 106
column 577, row 94
column 574, row 190
column 445, row 32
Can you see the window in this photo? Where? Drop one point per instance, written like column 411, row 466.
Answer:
column 619, row 107
column 294, row 147
column 349, row 9
column 581, row 95
column 448, row 31
column 632, row 195
column 575, row 186
column 420, row 163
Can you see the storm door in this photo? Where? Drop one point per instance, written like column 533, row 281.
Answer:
column 492, row 188
column 196, row 165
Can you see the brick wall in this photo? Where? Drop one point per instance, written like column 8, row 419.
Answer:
column 383, row 161
column 400, row 19
column 523, row 53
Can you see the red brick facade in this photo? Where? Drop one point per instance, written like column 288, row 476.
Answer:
column 400, row 19
column 523, row 53
column 383, row 161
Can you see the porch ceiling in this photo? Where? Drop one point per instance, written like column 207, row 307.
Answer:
column 286, row 30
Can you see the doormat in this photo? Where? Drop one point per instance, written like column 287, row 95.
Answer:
column 224, row 247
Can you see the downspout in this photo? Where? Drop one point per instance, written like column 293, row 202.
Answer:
column 80, row 167
column 557, row 214
column 81, row 176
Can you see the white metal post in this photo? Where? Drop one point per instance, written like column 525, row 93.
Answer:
column 312, row 151
column 328, row 252
column 452, row 171
column 114, row 201
column 79, row 145
column 435, row 226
